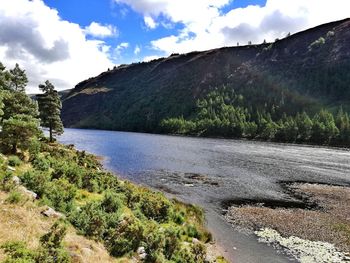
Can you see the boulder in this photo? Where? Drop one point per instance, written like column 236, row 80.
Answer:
column 49, row 212
column 141, row 253
column 16, row 180
column 11, row 169
column 28, row 193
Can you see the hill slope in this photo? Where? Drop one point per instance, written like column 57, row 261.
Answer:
column 306, row 71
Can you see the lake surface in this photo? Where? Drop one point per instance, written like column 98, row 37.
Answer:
column 210, row 172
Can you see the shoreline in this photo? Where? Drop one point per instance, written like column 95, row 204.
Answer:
column 208, row 172
column 326, row 146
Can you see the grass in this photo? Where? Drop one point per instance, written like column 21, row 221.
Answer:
column 14, row 197
column 83, row 197
column 330, row 223
column 120, row 215
column 24, row 222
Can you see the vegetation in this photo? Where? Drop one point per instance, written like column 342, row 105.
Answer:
column 227, row 114
column 273, row 78
column 50, row 251
column 123, row 216
column 50, row 109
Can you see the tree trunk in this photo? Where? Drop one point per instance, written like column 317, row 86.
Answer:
column 51, row 139
column 14, row 149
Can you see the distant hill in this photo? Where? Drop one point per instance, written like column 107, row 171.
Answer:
column 302, row 72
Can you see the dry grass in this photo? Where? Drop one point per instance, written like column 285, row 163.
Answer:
column 23, row 222
column 330, row 224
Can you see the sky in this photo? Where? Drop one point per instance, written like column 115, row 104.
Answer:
column 67, row 41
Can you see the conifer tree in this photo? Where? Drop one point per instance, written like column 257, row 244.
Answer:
column 50, row 109
column 18, row 130
column 18, row 79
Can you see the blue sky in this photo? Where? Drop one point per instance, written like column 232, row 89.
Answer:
column 129, row 24
column 67, row 41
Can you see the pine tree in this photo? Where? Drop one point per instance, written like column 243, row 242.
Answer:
column 18, row 79
column 343, row 123
column 18, row 130
column 50, row 109
column 304, row 124
column 324, row 129
column 4, row 77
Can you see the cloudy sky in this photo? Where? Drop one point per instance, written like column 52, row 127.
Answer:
column 67, row 41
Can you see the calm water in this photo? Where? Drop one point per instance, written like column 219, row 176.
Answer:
column 210, row 171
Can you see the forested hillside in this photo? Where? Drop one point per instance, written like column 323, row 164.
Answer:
column 305, row 72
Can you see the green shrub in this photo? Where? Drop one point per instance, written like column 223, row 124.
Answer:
column 126, row 237
column 61, row 194
column 155, row 206
column 317, row 43
column 14, row 197
column 34, row 146
column 90, row 220
column 18, row 252
column 52, row 250
column 154, row 243
column 171, row 241
column 13, row 160
column 6, row 182
column 36, row 181
column 112, row 202
column 192, row 231
column 41, row 163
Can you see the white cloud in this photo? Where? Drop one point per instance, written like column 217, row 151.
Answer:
column 137, row 50
column 123, row 45
column 97, row 30
column 118, row 50
column 206, row 26
column 47, row 47
column 149, row 22
column 149, row 58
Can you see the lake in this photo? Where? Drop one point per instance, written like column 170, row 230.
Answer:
column 214, row 172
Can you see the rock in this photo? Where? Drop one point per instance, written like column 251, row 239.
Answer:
column 140, row 250
column 28, row 193
column 11, row 169
column 142, row 253
column 49, row 212
column 16, row 180
column 75, row 257
column 195, row 241
column 86, row 252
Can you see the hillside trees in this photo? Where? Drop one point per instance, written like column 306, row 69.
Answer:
column 225, row 113
column 50, row 109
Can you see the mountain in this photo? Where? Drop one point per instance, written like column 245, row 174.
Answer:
column 305, row 71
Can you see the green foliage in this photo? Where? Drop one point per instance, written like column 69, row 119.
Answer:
column 6, row 181
column 223, row 113
column 156, row 207
column 18, row 131
column 18, row 122
column 18, row 79
column 50, row 109
column 13, row 160
column 126, row 237
column 317, row 43
column 14, row 197
column 51, row 249
column 60, row 194
column 18, row 253
column 36, row 181
column 324, row 129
